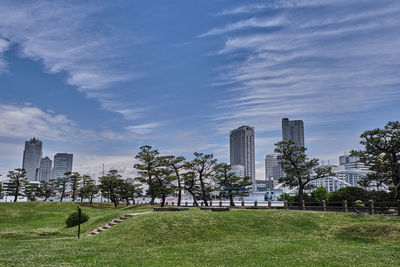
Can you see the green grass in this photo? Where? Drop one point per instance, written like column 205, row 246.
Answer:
column 197, row 238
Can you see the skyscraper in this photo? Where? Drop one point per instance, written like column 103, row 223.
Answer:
column 242, row 151
column 44, row 172
column 294, row 131
column 273, row 169
column 32, row 156
column 62, row 164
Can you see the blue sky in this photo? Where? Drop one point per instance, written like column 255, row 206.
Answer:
column 101, row 78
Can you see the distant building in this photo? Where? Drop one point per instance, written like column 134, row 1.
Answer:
column 242, row 150
column 351, row 162
column 294, row 131
column 45, row 169
column 62, row 164
column 238, row 170
column 273, row 169
column 31, row 159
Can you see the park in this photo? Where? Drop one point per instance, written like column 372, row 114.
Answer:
column 34, row 234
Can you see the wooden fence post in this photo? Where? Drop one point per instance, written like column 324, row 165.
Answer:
column 269, row 204
column 211, row 203
column 255, row 203
column 202, row 203
column 173, row 203
column 371, row 207
column 345, row 206
column 186, row 204
column 285, row 205
column 303, row 205
column 323, row 205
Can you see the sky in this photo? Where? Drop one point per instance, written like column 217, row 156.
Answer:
column 99, row 79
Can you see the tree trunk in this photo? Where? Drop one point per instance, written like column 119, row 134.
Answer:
column 91, row 200
column 16, row 197
column 127, row 201
column 162, row 200
column 194, row 197
column 301, row 196
column 133, row 200
column 152, row 200
column 232, row 204
column 203, row 191
column 179, row 191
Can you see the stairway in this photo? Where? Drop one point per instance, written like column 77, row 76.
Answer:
column 114, row 222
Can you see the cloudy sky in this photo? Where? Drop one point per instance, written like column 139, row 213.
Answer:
column 100, row 78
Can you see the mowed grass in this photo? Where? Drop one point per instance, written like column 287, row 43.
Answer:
column 206, row 238
column 33, row 220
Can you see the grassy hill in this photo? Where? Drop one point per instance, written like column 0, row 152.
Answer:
column 195, row 237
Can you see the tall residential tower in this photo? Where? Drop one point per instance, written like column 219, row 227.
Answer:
column 62, row 164
column 242, row 151
column 44, row 172
column 294, row 131
column 32, row 156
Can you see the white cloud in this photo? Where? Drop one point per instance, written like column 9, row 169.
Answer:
column 243, row 24
column 28, row 121
column 4, row 44
column 68, row 37
column 322, row 65
column 143, row 129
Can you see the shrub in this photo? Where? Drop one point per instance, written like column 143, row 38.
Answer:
column 73, row 219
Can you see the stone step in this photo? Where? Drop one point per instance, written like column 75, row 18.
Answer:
column 116, row 221
column 123, row 218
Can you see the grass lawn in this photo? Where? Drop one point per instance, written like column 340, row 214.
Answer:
column 196, row 238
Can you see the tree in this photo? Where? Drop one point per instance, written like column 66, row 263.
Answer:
column 60, row 185
column 231, row 185
column 177, row 164
column 350, row 193
column 46, row 189
column 133, row 191
column 298, row 168
column 381, row 155
column 146, row 168
column 32, row 191
column 320, row 193
column 17, row 183
column 91, row 191
column 190, row 184
column 109, row 186
column 163, row 179
column 203, row 166
column 83, row 192
column 74, row 181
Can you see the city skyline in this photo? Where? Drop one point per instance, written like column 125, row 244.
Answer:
column 103, row 84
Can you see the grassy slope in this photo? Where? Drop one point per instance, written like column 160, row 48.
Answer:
column 238, row 237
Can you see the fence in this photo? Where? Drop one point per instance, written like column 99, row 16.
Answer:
column 384, row 208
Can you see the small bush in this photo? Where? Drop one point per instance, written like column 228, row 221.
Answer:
column 73, row 219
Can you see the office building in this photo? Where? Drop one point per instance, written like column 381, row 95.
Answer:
column 238, row 170
column 242, row 150
column 62, row 164
column 294, row 131
column 31, row 159
column 273, row 169
column 45, row 169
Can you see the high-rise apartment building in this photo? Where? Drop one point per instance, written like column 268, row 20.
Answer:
column 242, row 150
column 62, row 164
column 32, row 156
column 273, row 169
column 44, row 172
column 294, row 131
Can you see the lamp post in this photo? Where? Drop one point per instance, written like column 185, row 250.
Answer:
column 79, row 221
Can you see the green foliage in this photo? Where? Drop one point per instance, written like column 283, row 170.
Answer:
column 110, row 186
column 203, row 167
column 73, row 219
column 46, row 189
column 60, row 186
column 319, row 194
column 286, row 196
column 229, row 184
column 350, row 193
column 382, row 155
column 297, row 167
column 18, row 182
column 32, row 191
column 74, row 181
